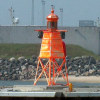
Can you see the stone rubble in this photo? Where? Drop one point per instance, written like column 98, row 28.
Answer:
column 23, row 69
column 83, row 66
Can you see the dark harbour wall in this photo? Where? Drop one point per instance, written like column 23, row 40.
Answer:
column 87, row 37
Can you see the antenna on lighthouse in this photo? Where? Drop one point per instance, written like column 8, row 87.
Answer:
column 53, row 7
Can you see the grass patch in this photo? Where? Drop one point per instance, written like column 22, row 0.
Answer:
column 27, row 50
column 75, row 50
column 16, row 50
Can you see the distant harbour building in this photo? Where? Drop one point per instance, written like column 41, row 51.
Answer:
column 86, row 23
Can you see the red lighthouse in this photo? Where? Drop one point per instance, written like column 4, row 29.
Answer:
column 53, row 51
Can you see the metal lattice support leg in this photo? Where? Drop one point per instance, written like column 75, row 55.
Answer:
column 53, row 80
column 66, row 73
column 49, row 72
column 43, row 71
column 36, row 72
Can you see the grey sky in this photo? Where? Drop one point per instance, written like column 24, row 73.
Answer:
column 74, row 10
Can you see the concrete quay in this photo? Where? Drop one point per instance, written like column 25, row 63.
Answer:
column 51, row 92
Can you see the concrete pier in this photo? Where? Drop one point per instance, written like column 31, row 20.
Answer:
column 49, row 92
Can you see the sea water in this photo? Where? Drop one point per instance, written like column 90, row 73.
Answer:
column 12, row 83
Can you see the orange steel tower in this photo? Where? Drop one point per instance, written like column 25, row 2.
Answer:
column 53, row 52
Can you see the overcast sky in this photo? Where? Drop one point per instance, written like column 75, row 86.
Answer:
column 73, row 11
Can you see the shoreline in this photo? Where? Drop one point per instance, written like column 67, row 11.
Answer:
column 80, row 79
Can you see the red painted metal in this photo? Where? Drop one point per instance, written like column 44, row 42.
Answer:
column 53, row 51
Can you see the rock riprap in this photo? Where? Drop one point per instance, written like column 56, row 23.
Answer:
column 23, row 69
column 83, row 66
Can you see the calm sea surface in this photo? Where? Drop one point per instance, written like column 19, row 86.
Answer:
column 11, row 83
